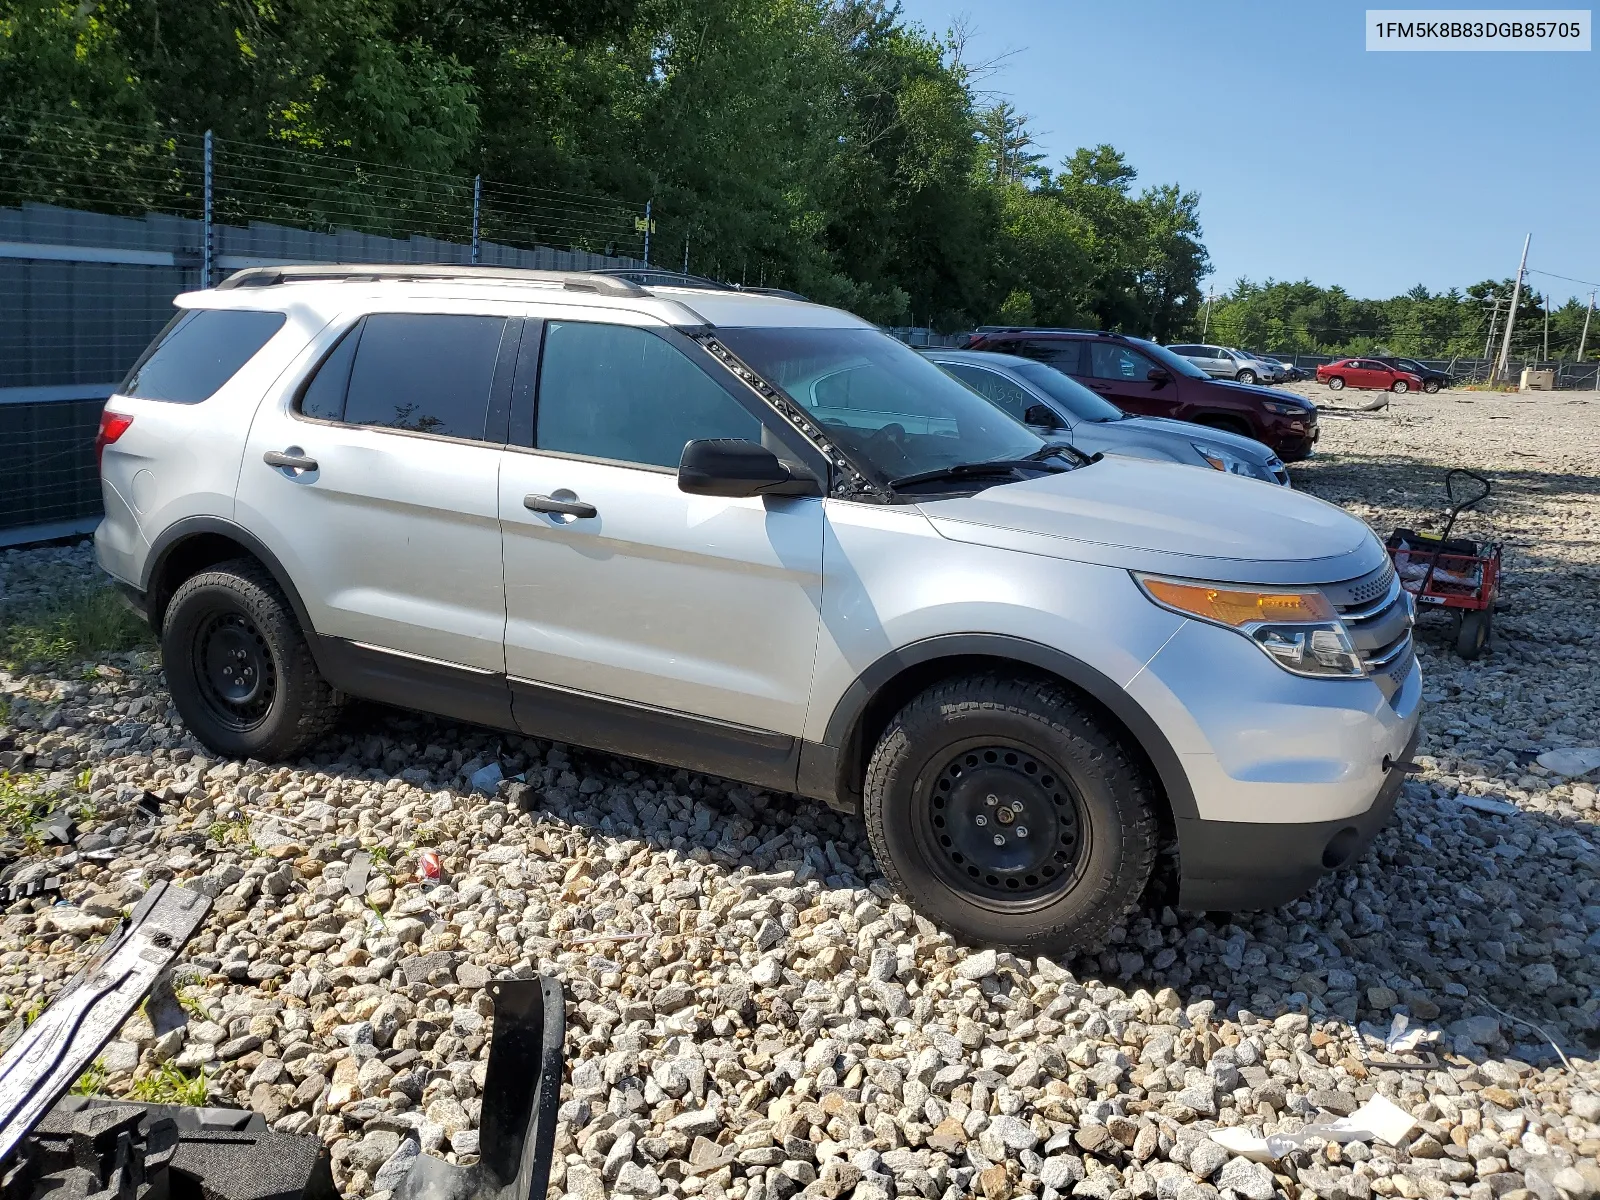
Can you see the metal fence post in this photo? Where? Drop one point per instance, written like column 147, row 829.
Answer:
column 647, row 205
column 207, row 249
column 477, row 205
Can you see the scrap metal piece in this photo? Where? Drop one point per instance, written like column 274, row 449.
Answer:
column 59, row 1046
column 521, row 1095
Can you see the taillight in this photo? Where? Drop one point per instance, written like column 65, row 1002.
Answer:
column 112, row 426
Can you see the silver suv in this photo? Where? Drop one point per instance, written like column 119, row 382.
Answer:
column 1221, row 362
column 757, row 537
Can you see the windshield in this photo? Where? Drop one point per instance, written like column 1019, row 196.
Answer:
column 1071, row 395
column 887, row 406
column 1169, row 360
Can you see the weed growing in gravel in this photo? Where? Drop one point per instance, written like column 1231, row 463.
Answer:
column 227, row 832
column 71, row 626
column 168, row 1085
column 22, row 808
column 92, row 1082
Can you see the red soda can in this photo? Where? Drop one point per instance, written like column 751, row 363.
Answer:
column 429, row 869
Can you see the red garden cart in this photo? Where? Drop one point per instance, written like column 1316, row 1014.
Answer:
column 1455, row 574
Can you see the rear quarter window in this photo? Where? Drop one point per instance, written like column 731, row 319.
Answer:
column 199, row 351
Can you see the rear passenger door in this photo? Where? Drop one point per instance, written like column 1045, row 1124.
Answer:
column 375, row 484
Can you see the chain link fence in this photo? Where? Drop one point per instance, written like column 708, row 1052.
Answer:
column 100, row 228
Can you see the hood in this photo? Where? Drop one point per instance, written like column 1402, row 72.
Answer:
column 1141, row 514
column 1265, row 393
column 1245, row 447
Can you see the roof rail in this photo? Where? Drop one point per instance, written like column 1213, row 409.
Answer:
column 576, row 281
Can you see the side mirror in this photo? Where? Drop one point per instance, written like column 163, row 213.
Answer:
column 1043, row 416
column 1158, row 375
column 735, row 467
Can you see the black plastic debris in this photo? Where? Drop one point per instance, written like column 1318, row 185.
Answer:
column 55, row 1148
column 521, row 1094
column 42, row 885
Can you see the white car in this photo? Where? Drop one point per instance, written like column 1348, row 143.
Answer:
column 757, row 537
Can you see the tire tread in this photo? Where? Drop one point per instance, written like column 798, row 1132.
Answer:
column 1053, row 707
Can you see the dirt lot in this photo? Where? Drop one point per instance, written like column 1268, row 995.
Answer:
column 752, row 1014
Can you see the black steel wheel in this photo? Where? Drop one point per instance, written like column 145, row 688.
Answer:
column 1005, row 824
column 1006, row 810
column 237, row 678
column 241, row 674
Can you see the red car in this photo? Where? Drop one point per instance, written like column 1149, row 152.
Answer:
column 1368, row 373
column 1148, row 380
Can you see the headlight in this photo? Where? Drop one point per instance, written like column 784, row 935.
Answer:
column 1298, row 630
column 1283, row 409
column 1221, row 460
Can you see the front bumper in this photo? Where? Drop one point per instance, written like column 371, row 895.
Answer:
column 1237, row 866
column 1290, row 776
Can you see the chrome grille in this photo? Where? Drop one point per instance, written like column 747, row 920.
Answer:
column 1376, row 612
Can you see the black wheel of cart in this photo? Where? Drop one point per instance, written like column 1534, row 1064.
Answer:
column 1472, row 632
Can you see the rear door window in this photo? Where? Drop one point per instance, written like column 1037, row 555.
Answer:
column 199, row 351
column 419, row 372
column 1064, row 354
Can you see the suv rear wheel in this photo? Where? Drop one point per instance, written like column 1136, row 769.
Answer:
column 238, row 666
column 1002, row 809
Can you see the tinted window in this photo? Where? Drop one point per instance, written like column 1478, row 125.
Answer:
column 1113, row 360
column 1186, row 351
column 613, row 391
column 1009, row 397
column 1069, row 393
column 324, row 395
column 198, row 352
column 1064, row 354
column 424, row 372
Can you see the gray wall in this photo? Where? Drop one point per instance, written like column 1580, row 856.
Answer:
column 82, row 294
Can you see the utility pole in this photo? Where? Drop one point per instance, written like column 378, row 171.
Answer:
column 1205, row 325
column 1511, row 317
column 1488, row 342
column 647, row 223
column 1545, row 300
column 1583, row 338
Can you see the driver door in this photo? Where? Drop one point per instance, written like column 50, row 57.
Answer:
column 1122, row 375
column 642, row 619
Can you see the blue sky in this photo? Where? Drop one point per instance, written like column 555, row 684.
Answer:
column 1314, row 158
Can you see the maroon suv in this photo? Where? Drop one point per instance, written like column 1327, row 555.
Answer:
column 1141, row 377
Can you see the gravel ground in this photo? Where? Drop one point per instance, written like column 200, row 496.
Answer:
column 751, row 1012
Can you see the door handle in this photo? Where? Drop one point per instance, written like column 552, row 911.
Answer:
column 295, row 462
column 566, row 508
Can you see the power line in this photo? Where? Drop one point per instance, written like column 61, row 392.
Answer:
column 1567, row 278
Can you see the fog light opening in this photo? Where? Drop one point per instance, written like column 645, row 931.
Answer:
column 1341, row 848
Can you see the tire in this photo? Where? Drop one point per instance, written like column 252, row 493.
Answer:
column 1472, row 635
column 1336, row 383
column 1400, row 387
column 927, row 797
column 240, row 672
column 1246, row 376
column 1431, row 386
column 1227, row 425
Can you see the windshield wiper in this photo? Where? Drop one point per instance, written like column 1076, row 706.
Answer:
column 999, row 466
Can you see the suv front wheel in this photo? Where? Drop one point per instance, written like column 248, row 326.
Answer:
column 1003, row 809
column 238, row 666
